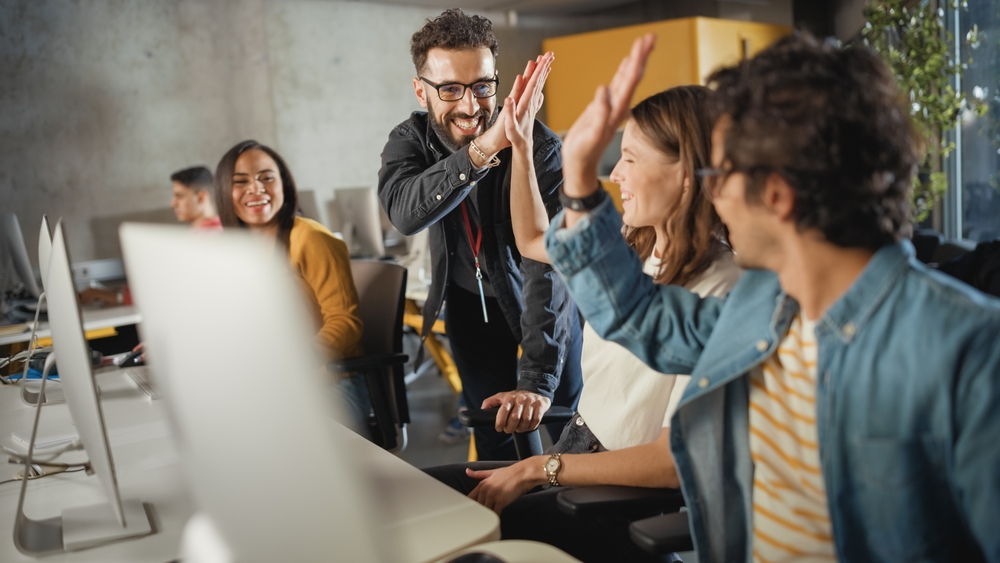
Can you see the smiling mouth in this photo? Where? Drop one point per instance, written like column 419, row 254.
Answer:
column 627, row 196
column 258, row 203
column 468, row 124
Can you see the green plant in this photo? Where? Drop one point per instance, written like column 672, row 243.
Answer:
column 912, row 39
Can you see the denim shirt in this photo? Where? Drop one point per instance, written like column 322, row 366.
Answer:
column 420, row 186
column 908, row 395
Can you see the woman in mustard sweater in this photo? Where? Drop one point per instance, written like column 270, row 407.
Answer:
column 254, row 189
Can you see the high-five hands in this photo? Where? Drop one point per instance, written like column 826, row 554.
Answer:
column 495, row 138
column 520, row 122
column 592, row 132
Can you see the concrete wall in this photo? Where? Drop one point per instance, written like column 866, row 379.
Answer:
column 102, row 99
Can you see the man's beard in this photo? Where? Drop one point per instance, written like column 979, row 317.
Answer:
column 444, row 133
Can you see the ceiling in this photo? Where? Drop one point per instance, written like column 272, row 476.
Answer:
column 553, row 7
column 567, row 7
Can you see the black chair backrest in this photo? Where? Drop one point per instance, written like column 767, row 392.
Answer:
column 381, row 294
column 979, row 268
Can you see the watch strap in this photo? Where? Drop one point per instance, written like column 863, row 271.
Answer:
column 583, row 203
column 554, row 475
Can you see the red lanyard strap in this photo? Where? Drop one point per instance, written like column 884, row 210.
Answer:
column 475, row 254
column 468, row 229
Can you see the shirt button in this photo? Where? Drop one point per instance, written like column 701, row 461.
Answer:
column 579, row 421
column 703, row 382
column 849, row 330
column 762, row 345
column 461, row 177
column 438, row 197
column 472, row 184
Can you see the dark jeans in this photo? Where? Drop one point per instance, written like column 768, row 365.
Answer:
column 536, row 515
column 486, row 357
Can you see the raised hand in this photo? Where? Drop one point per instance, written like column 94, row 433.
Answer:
column 519, row 123
column 528, row 216
column 592, row 132
column 495, row 138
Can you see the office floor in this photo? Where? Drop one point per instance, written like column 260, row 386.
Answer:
column 432, row 405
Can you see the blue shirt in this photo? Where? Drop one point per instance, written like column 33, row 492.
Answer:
column 908, row 395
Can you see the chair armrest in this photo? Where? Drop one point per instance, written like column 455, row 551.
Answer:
column 667, row 533
column 364, row 363
column 631, row 502
column 487, row 417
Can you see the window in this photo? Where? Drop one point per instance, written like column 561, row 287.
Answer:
column 972, row 207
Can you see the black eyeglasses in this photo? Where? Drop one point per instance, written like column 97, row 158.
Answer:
column 454, row 91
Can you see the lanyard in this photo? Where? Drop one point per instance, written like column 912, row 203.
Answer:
column 474, row 246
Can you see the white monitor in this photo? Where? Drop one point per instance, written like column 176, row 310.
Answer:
column 30, row 393
column 18, row 253
column 229, row 332
column 44, row 249
column 86, row 526
column 360, row 221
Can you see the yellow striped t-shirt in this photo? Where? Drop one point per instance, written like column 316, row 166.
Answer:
column 791, row 521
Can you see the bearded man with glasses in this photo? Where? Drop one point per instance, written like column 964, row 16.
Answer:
column 449, row 170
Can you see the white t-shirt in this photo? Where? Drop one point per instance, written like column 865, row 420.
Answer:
column 625, row 402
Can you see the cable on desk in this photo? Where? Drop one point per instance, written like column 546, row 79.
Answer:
column 72, row 446
column 47, row 474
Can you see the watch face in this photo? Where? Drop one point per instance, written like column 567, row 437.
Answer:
column 552, row 465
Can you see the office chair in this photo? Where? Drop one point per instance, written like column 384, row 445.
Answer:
column 528, row 443
column 663, row 534
column 381, row 290
column 658, row 525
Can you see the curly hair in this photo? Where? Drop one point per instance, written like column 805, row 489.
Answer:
column 452, row 30
column 831, row 122
column 676, row 122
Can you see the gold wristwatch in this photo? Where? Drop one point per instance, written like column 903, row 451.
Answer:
column 552, row 467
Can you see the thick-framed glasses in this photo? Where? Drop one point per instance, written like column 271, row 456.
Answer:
column 454, row 91
column 711, row 180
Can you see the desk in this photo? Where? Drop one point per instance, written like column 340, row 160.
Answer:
column 425, row 518
column 93, row 319
column 147, row 467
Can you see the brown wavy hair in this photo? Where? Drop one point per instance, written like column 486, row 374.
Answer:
column 224, row 190
column 678, row 124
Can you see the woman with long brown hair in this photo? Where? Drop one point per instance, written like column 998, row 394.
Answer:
column 255, row 190
column 620, row 435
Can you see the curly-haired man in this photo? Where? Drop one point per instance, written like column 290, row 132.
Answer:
column 449, row 170
column 844, row 399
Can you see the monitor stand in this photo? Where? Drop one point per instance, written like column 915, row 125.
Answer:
column 30, row 396
column 31, row 391
column 79, row 527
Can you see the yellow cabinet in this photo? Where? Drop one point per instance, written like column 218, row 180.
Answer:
column 687, row 51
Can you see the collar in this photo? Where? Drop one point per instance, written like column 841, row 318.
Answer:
column 849, row 314
column 433, row 143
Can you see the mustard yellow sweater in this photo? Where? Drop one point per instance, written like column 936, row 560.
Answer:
column 323, row 266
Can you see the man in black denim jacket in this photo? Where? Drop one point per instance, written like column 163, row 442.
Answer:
column 449, row 170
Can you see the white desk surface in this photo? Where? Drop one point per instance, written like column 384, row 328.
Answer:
column 93, row 319
column 426, row 519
